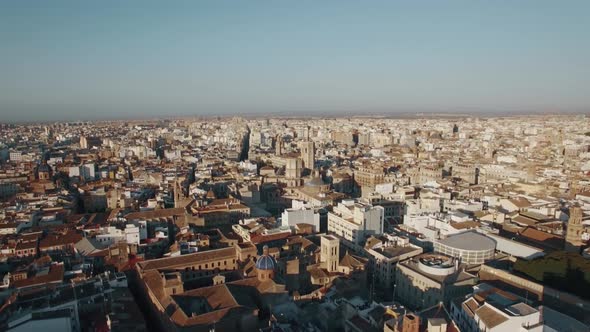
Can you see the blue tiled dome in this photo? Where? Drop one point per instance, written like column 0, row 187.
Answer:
column 265, row 262
column 44, row 168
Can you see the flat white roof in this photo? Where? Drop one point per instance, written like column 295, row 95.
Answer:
column 469, row 241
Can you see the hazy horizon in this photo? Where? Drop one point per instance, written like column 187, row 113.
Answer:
column 70, row 60
column 305, row 115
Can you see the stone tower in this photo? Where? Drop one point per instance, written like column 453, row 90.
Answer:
column 573, row 238
column 279, row 145
column 330, row 254
column 293, row 168
column 307, row 154
column 179, row 194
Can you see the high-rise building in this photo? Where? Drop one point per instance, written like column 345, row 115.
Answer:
column 573, row 238
column 307, row 154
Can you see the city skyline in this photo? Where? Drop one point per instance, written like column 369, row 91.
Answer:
column 405, row 223
column 73, row 61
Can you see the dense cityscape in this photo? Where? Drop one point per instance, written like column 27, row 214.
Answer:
column 425, row 223
column 294, row 166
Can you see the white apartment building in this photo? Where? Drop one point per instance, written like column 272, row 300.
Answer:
column 248, row 166
column 422, row 205
column 432, row 227
column 86, row 171
column 74, row 171
column 293, row 217
column 354, row 221
column 111, row 235
column 255, row 138
column 173, row 154
column 15, row 156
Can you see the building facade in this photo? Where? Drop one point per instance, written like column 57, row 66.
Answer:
column 354, row 221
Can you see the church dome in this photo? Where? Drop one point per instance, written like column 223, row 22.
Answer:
column 43, row 171
column 265, row 262
column 44, row 168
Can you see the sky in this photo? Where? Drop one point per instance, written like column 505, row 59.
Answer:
column 84, row 60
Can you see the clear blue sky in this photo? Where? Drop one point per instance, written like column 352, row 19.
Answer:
column 92, row 59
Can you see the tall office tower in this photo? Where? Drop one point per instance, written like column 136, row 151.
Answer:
column 293, row 168
column 279, row 145
column 307, row 154
column 573, row 238
column 330, row 254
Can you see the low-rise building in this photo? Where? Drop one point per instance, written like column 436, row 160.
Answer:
column 384, row 253
column 469, row 247
column 429, row 279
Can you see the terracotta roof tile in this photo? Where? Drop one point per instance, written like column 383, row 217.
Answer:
column 53, row 240
column 55, row 275
column 155, row 214
column 490, row 317
column 183, row 260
